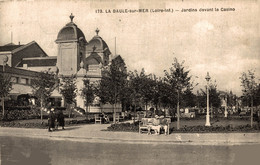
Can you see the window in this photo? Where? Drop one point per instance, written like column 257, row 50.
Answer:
column 14, row 79
column 24, row 81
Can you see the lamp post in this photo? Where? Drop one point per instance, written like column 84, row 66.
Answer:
column 5, row 59
column 207, row 117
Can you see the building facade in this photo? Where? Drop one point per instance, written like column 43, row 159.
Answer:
column 76, row 56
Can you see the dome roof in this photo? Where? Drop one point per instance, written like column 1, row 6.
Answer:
column 70, row 32
column 99, row 44
column 94, row 58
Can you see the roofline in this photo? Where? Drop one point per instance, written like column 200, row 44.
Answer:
column 25, row 72
column 27, row 45
column 5, row 52
column 58, row 41
column 40, row 58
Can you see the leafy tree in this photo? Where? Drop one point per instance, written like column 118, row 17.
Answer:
column 43, row 85
column 250, row 88
column 68, row 90
column 88, row 92
column 167, row 96
column 180, row 81
column 112, row 84
column 5, row 88
column 189, row 99
column 134, row 88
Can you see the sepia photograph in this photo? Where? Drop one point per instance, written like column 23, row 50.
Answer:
column 142, row 82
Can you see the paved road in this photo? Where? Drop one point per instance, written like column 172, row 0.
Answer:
column 37, row 151
column 94, row 133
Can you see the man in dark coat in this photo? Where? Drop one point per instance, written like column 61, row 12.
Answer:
column 51, row 120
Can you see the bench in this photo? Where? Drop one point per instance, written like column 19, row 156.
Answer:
column 146, row 123
column 98, row 119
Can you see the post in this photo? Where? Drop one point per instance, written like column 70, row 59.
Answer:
column 225, row 107
column 207, row 117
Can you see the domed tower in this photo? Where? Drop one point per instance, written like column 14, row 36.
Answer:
column 100, row 49
column 71, row 48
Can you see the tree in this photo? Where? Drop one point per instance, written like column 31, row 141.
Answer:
column 43, row 85
column 189, row 99
column 68, row 90
column 5, row 88
column 179, row 80
column 88, row 93
column 140, row 88
column 112, row 84
column 250, row 88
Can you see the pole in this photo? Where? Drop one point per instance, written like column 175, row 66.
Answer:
column 226, row 107
column 207, row 117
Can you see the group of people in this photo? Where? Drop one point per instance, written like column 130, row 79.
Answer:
column 55, row 120
column 157, row 124
column 105, row 118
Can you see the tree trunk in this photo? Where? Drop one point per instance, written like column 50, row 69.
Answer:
column 41, row 108
column 3, row 107
column 114, row 113
column 251, row 112
column 134, row 111
column 211, row 110
column 69, row 109
column 178, row 111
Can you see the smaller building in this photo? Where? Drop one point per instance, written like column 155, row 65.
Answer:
column 21, row 85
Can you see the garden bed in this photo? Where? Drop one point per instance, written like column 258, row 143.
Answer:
column 224, row 128
column 37, row 123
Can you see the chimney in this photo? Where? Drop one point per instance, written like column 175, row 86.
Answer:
column 25, row 66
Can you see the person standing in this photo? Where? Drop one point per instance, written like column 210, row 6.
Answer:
column 51, row 120
column 60, row 119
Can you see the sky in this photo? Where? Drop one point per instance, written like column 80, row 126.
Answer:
column 223, row 43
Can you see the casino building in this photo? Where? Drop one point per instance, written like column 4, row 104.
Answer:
column 76, row 56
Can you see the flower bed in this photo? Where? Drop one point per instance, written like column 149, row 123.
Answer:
column 37, row 123
column 127, row 127
column 228, row 128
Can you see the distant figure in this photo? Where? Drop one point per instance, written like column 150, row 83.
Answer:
column 105, row 118
column 156, row 125
column 60, row 119
column 164, row 125
column 51, row 120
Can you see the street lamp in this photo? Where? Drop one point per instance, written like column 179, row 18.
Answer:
column 5, row 59
column 207, row 117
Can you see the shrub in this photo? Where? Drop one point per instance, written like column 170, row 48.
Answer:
column 125, row 127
